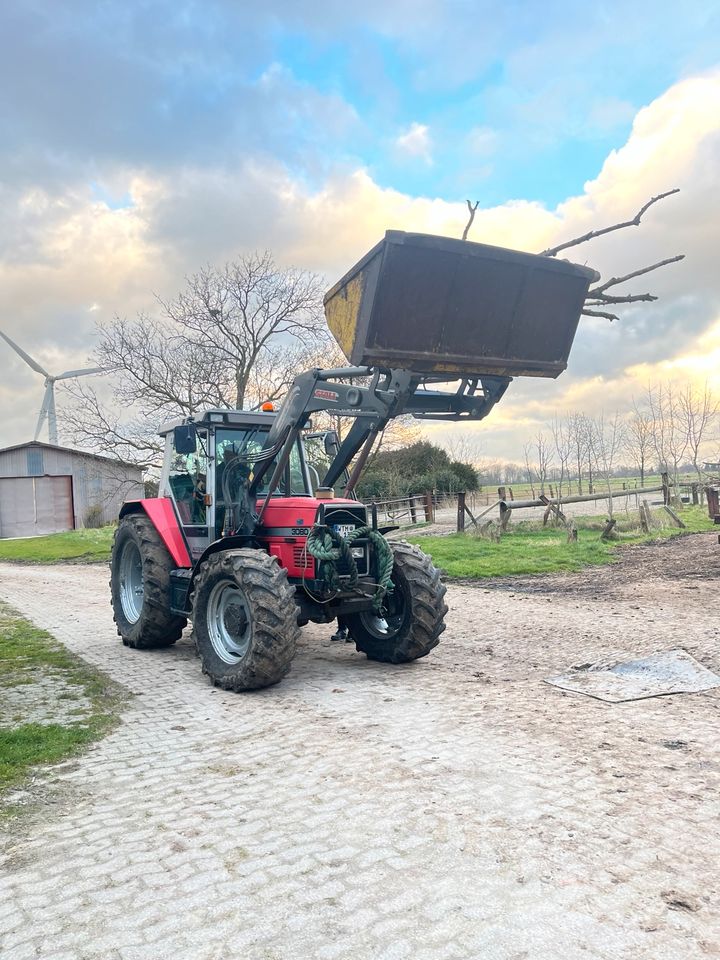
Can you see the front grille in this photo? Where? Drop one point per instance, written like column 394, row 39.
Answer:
column 355, row 516
column 302, row 559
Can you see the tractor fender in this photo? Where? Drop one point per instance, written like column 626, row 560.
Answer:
column 161, row 512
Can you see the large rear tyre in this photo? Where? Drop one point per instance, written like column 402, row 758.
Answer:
column 412, row 617
column 245, row 619
column 140, row 568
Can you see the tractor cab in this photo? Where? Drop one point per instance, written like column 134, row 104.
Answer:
column 209, row 464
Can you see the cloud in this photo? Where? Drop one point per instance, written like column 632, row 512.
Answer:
column 70, row 254
column 415, row 142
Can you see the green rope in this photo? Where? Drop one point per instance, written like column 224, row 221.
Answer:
column 329, row 547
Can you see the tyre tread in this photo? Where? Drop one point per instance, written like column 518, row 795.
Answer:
column 157, row 626
column 274, row 614
column 427, row 622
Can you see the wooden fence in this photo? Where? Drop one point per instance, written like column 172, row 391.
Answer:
column 417, row 508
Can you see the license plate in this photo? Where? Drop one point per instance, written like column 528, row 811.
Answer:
column 344, row 529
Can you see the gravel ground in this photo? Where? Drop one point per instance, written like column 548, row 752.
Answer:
column 453, row 808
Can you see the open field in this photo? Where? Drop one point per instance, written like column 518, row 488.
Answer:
column 451, row 809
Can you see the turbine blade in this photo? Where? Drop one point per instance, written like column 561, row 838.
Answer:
column 26, row 357
column 80, row 373
column 43, row 410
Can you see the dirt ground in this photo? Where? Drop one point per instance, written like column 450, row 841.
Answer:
column 668, row 568
column 458, row 807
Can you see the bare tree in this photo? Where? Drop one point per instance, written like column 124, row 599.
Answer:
column 670, row 438
column 605, row 442
column 241, row 312
column 234, row 337
column 543, row 454
column 563, row 444
column 464, row 446
column 638, row 440
column 538, row 462
column 530, row 469
column 698, row 410
column 578, row 437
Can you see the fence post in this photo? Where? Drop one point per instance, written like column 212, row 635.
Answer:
column 461, row 512
column 645, row 517
column 429, row 507
column 413, row 511
column 666, row 488
column 504, row 516
column 501, row 493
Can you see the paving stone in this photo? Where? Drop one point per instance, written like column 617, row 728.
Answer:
column 421, row 813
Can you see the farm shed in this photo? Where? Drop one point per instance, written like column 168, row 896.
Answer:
column 46, row 489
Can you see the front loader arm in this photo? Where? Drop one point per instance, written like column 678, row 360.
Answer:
column 381, row 396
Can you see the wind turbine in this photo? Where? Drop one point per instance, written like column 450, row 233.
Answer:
column 47, row 410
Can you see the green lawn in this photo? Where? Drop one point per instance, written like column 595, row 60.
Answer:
column 79, row 546
column 28, row 654
column 528, row 547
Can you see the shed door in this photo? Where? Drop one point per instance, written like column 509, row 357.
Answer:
column 30, row 506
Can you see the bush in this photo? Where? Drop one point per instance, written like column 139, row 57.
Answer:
column 93, row 516
column 414, row 469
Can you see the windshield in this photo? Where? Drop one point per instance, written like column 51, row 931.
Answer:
column 237, row 451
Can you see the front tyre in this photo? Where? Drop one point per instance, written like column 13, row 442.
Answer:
column 245, row 619
column 140, row 568
column 412, row 617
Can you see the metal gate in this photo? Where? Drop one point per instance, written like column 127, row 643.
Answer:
column 31, row 506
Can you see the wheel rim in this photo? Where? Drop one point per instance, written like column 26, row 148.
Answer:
column 228, row 622
column 132, row 589
column 388, row 622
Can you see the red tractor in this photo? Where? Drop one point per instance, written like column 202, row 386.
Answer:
column 256, row 530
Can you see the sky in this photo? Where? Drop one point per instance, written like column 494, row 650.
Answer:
column 141, row 140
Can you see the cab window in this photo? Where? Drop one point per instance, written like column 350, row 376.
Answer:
column 188, row 482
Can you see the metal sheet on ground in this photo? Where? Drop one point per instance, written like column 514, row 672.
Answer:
column 658, row 675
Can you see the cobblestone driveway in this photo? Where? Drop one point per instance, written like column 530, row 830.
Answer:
column 454, row 808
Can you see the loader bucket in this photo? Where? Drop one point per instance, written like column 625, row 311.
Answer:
column 439, row 305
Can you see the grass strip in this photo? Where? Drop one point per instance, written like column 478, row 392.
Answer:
column 26, row 655
column 527, row 547
column 78, row 546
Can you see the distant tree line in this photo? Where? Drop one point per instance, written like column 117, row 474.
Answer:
column 671, row 428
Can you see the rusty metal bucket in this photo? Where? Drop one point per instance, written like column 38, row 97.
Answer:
column 439, row 305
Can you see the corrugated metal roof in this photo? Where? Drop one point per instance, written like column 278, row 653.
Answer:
column 79, row 453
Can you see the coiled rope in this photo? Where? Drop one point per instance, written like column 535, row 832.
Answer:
column 330, row 548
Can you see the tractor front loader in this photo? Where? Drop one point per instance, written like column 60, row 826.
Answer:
column 256, row 529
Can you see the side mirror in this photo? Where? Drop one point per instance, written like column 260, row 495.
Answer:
column 331, row 443
column 185, row 438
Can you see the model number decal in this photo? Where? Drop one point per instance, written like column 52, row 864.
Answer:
column 326, row 395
